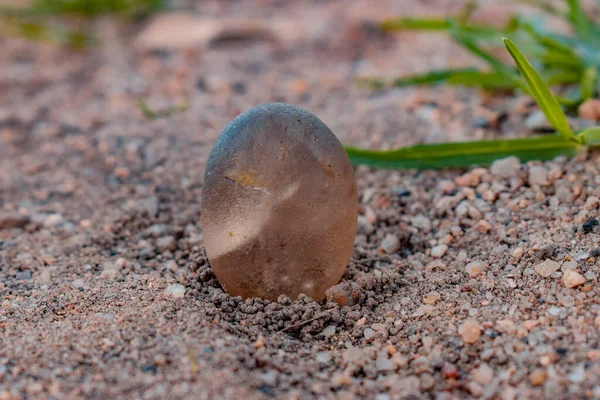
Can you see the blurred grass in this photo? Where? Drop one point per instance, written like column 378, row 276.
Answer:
column 465, row 154
column 569, row 60
column 66, row 22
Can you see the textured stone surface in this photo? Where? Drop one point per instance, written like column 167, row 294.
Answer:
column 279, row 205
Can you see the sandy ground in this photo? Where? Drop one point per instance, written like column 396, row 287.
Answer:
column 479, row 283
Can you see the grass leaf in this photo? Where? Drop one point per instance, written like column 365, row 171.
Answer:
column 430, row 78
column 148, row 113
column 590, row 136
column 425, row 24
column 541, row 93
column 460, row 77
column 588, row 83
column 465, row 154
column 580, row 22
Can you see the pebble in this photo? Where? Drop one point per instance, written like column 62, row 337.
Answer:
column 323, row 357
column 590, row 109
column 328, row 331
column 431, row 298
column 12, row 220
column 165, row 243
column 383, row 363
column 23, row 275
column 483, row 375
column 269, row 378
column 577, row 375
column 538, row 377
column 546, row 268
column 390, row 244
column 476, row 268
column 537, row 121
column 77, row 283
column 518, row 253
column 439, row 251
column 449, row 371
column 572, row 278
column 591, row 203
column 568, row 265
column 175, row 290
column 369, row 334
column 483, row 227
column 538, row 176
column 470, row 331
column 505, row 167
column 53, row 220
column 421, row 222
column 45, row 276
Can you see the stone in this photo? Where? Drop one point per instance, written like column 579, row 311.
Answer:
column 505, row 167
column 470, row 331
column 390, row 244
column 538, row 176
column 166, row 243
column 369, row 334
column 439, row 251
column 323, row 357
column 590, row 109
column 383, row 363
column 53, row 220
column 279, row 205
column 344, row 294
column 476, row 268
column 328, row 331
column 449, row 371
column 483, row 375
column 77, row 284
column 175, row 290
column 577, row 374
column 431, row 298
column 572, row 278
column 546, row 268
column 13, row 220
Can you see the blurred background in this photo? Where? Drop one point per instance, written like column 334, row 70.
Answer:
column 116, row 91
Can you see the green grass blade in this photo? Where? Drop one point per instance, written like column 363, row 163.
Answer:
column 430, row 78
column 470, row 45
column 581, row 24
column 148, row 113
column 541, row 93
column 590, row 136
column 424, row 24
column 485, row 80
column 465, row 154
column 562, row 77
column 459, row 77
column 588, row 83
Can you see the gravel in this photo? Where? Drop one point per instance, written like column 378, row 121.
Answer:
column 120, row 301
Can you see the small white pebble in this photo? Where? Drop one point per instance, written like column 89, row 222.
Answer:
column 476, row 268
column 175, row 290
column 439, row 251
column 369, row 334
column 390, row 244
column 505, row 167
column 77, row 283
column 328, row 331
column 546, row 268
column 538, row 176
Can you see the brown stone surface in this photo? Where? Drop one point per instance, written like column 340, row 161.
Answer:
column 279, row 205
